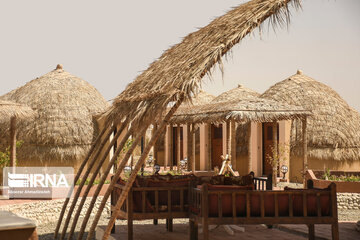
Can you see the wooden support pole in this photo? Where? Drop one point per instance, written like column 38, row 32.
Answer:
column 170, row 147
column 193, row 133
column 13, row 143
column 233, row 144
column 87, row 172
column 93, row 177
column 113, row 182
column 132, row 177
column 208, row 165
column 228, row 138
column 78, row 174
column 178, row 146
column 305, row 158
column 155, row 148
column 275, row 151
column 188, row 147
column 250, row 159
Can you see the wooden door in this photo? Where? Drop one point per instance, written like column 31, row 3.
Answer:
column 216, row 146
column 175, row 146
column 268, row 145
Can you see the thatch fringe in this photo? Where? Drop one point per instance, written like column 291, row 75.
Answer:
column 333, row 130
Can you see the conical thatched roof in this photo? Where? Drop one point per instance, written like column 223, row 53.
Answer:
column 201, row 98
column 10, row 109
column 238, row 93
column 64, row 127
column 333, row 130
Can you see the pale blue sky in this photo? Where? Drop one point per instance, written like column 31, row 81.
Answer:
column 108, row 43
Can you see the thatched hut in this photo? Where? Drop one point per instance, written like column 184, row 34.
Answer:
column 333, row 130
column 229, row 118
column 64, row 127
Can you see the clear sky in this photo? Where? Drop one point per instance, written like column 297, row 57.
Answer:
column 108, row 43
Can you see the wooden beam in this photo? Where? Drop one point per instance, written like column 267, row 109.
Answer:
column 132, row 177
column 189, row 147
column 170, row 147
column 275, row 150
column 113, row 182
column 77, row 176
column 228, row 138
column 87, row 172
column 155, row 148
column 193, row 166
column 233, row 144
column 305, row 158
column 178, row 146
column 100, row 163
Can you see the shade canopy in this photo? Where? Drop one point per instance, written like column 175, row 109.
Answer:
column 245, row 110
column 333, row 130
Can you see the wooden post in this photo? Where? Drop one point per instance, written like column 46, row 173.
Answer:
column 193, row 166
column 171, row 147
column 233, row 144
column 305, row 160
column 113, row 182
column 178, row 146
column 209, row 162
column 155, row 148
column 92, row 179
column 188, row 147
column 205, row 211
column 13, row 143
column 78, row 174
column 228, row 138
column 133, row 175
column 275, row 151
column 250, row 157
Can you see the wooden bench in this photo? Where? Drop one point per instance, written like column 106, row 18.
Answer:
column 226, row 206
column 162, row 197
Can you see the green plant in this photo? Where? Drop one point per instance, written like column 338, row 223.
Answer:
column 96, row 182
column 5, row 156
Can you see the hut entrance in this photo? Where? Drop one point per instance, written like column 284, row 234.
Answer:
column 175, row 145
column 216, row 145
column 268, row 145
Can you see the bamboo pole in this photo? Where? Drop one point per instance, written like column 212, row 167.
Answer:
column 178, row 146
column 193, row 147
column 104, row 176
column 275, row 151
column 305, row 160
column 77, row 176
column 132, row 177
column 113, row 182
column 233, row 144
column 83, row 180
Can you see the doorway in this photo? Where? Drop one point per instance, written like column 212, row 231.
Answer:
column 216, row 145
column 268, row 145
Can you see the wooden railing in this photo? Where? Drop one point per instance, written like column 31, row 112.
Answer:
column 305, row 206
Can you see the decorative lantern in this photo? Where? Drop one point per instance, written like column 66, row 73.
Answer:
column 284, row 170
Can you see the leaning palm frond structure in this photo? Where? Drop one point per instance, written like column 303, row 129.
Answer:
column 333, row 130
column 174, row 77
column 63, row 128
